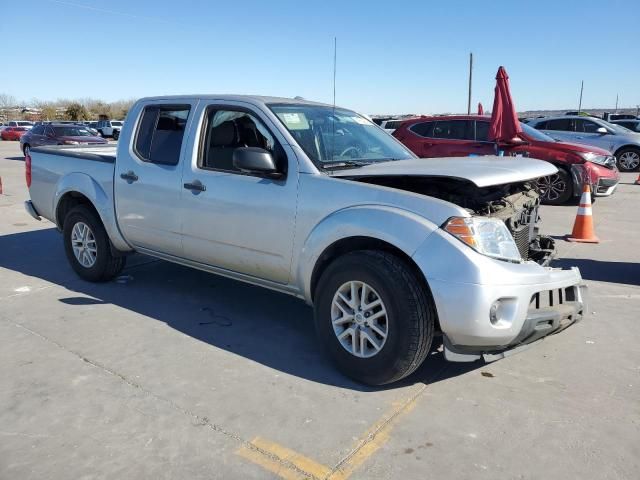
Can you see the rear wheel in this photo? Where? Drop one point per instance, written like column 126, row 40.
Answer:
column 26, row 149
column 87, row 246
column 628, row 159
column 556, row 189
column 374, row 316
column 116, row 134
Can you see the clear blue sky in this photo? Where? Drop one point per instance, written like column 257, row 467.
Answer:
column 393, row 56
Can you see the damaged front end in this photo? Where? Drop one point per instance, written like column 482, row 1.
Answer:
column 516, row 204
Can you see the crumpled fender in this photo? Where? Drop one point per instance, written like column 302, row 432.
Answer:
column 103, row 203
column 403, row 229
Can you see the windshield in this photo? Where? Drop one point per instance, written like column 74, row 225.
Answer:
column 535, row 134
column 24, row 124
column 614, row 127
column 116, row 124
column 329, row 135
column 72, row 132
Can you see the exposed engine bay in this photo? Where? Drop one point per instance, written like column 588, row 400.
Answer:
column 515, row 203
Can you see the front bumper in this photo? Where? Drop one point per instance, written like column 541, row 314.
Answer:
column 561, row 308
column 488, row 306
column 605, row 187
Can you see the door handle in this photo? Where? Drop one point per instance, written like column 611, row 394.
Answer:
column 195, row 186
column 130, row 177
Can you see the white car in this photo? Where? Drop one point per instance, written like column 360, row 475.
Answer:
column 109, row 128
column 19, row 123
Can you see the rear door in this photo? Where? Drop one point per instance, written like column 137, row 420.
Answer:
column 233, row 220
column 563, row 129
column 452, row 138
column 148, row 177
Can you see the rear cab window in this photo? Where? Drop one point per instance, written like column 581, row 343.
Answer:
column 160, row 133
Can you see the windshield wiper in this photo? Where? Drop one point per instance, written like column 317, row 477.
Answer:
column 344, row 164
column 356, row 163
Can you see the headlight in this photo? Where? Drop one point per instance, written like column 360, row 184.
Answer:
column 594, row 158
column 489, row 236
column 71, row 142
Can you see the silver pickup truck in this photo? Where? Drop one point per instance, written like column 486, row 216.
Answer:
column 318, row 202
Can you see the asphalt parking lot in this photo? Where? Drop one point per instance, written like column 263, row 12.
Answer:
column 174, row 373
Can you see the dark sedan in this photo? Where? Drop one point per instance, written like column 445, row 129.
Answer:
column 58, row 134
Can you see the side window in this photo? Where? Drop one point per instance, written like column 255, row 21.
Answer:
column 453, row 130
column 586, row 126
column 563, row 124
column 39, row 130
column 226, row 130
column 160, row 133
column 482, row 131
column 541, row 125
column 49, row 132
column 424, row 129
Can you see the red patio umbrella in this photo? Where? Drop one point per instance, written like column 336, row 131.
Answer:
column 480, row 109
column 505, row 125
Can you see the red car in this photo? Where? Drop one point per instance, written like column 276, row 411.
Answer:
column 13, row 133
column 467, row 135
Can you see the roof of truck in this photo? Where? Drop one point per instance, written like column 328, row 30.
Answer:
column 239, row 98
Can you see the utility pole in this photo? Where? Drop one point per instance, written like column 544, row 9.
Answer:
column 470, row 80
column 637, row 110
column 580, row 101
column 616, row 103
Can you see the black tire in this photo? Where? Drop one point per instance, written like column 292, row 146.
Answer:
column 556, row 189
column 100, row 134
column 26, row 148
column 116, row 134
column 106, row 265
column 635, row 160
column 411, row 315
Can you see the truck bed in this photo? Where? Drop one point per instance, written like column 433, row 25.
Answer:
column 100, row 153
column 58, row 169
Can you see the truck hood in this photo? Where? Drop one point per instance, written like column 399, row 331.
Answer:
column 483, row 171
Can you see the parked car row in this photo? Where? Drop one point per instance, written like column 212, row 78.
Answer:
column 595, row 132
column 103, row 128
column 58, row 134
column 468, row 135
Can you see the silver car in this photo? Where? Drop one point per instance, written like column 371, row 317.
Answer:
column 624, row 144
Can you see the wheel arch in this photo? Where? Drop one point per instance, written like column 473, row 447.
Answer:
column 625, row 147
column 358, row 228
column 80, row 189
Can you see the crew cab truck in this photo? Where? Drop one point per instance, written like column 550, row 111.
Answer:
column 318, row 202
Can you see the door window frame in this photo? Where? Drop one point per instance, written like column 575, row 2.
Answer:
column 202, row 137
column 160, row 106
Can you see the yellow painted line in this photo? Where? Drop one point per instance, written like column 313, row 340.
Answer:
column 374, row 438
column 282, row 461
column 291, row 465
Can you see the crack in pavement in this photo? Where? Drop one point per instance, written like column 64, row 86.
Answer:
column 199, row 420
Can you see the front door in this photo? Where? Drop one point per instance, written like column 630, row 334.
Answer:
column 148, row 178
column 233, row 220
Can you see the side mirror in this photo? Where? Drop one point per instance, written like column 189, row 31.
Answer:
column 256, row 161
column 602, row 131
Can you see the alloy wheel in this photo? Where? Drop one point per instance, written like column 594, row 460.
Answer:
column 552, row 187
column 629, row 160
column 84, row 244
column 359, row 319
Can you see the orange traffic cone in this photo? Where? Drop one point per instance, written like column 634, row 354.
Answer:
column 583, row 226
column 637, row 182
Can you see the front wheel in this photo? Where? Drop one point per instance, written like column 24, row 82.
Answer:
column 87, row 246
column 556, row 189
column 628, row 159
column 116, row 134
column 26, row 149
column 375, row 316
